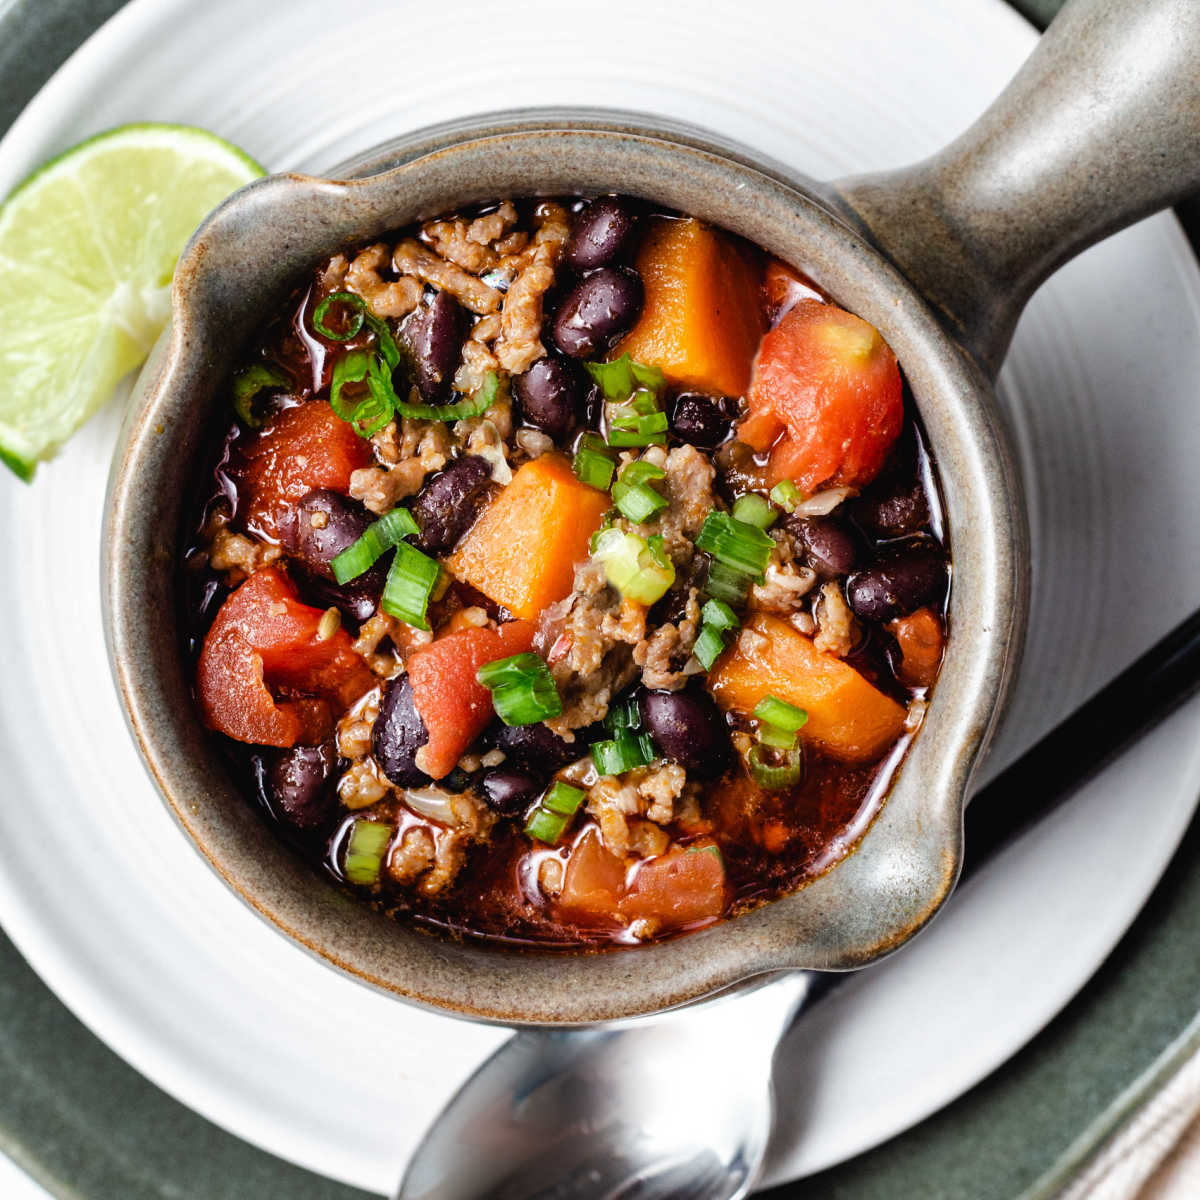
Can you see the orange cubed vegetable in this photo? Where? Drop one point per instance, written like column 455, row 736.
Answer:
column 264, row 642
column 702, row 319
column 301, row 449
column 454, row 705
column 921, row 639
column 826, row 399
column 848, row 717
column 593, row 880
column 523, row 550
column 682, row 887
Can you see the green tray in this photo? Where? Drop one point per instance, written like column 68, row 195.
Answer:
column 87, row 1125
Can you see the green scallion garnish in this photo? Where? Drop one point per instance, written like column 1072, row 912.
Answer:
column 623, row 751
column 708, row 647
column 523, row 690
column 752, row 509
column 618, row 380
column 786, row 494
column 411, row 581
column 355, row 318
column 736, row 544
column 635, row 499
column 593, row 468
column 625, row 714
column 380, row 536
column 463, row 410
column 365, row 849
column 552, row 814
column 778, row 712
column 719, row 615
column 774, row 778
column 727, row 584
column 248, row 383
column 633, row 430
column 638, row 570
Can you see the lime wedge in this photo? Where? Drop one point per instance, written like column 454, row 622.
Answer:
column 88, row 244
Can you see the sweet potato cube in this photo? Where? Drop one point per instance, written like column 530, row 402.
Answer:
column 703, row 319
column 848, row 717
column 523, row 550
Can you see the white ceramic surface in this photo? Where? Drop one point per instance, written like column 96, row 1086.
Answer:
column 100, row 890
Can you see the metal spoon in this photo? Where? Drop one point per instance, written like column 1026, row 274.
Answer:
column 665, row 1107
column 680, row 1107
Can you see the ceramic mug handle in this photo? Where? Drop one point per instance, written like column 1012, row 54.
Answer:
column 1100, row 127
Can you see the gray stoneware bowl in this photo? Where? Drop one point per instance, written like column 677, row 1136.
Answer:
column 1102, row 126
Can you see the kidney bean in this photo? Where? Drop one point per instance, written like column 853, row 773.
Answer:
column 448, row 503
column 398, row 733
column 510, row 792
column 600, row 233
column 550, row 396
column 688, row 728
column 433, row 337
column 899, row 581
column 699, row 419
column 600, row 307
column 895, row 508
column 831, row 546
column 537, row 749
column 296, row 785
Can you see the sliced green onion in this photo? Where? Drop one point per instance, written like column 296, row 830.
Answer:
column 786, row 494
column 623, row 715
column 778, row 712
column 710, row 848
column 379, row 537
column 779, row 739
column 350, row 368
column 463, row 410
column 619, row 379
column 637, row 570
column 365, row 850
column 593, row 468
column 388, row 349
column 510, row 669
column 719, row 615
column 563, row 799
column 638, row 503
column 641, row 472
column 605, row 525
column 248, row 383
column 752, row 509
column 727, row 583
column 552, row 814
column 709, row 646
column 523, row 690
column 546, row 826
column 736, row 544
column 774, row 778
column 354, row 322
column 648, row 430
column 411, row 580
column 622, row 752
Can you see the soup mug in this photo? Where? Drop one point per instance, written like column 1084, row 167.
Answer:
column 1100, row 127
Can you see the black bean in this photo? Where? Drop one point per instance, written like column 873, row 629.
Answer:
column 510, row 792
column 433, row 337
column 537, row 749
column 596, row 310
column 699, row 419
column 339, row 523
column 899, row 581
column 688, row 728
column 600, row 234
column 449, row 502
column 550, row 396
column 831, row 546
column 297, row 785
column 398, row 734
column 896, row 508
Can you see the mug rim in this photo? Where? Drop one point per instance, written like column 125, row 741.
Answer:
column 902, row 868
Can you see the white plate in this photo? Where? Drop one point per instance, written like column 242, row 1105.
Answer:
column 102, row 893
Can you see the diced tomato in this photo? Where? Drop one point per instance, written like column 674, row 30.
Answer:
column 593, row 880
column 784, row 288
column 826, row 399
column 921, row 639
column 454, row 705
column 682, row 887
column 263, row 642
column 301, row 449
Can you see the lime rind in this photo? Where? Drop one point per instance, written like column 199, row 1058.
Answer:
column 88, row 244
